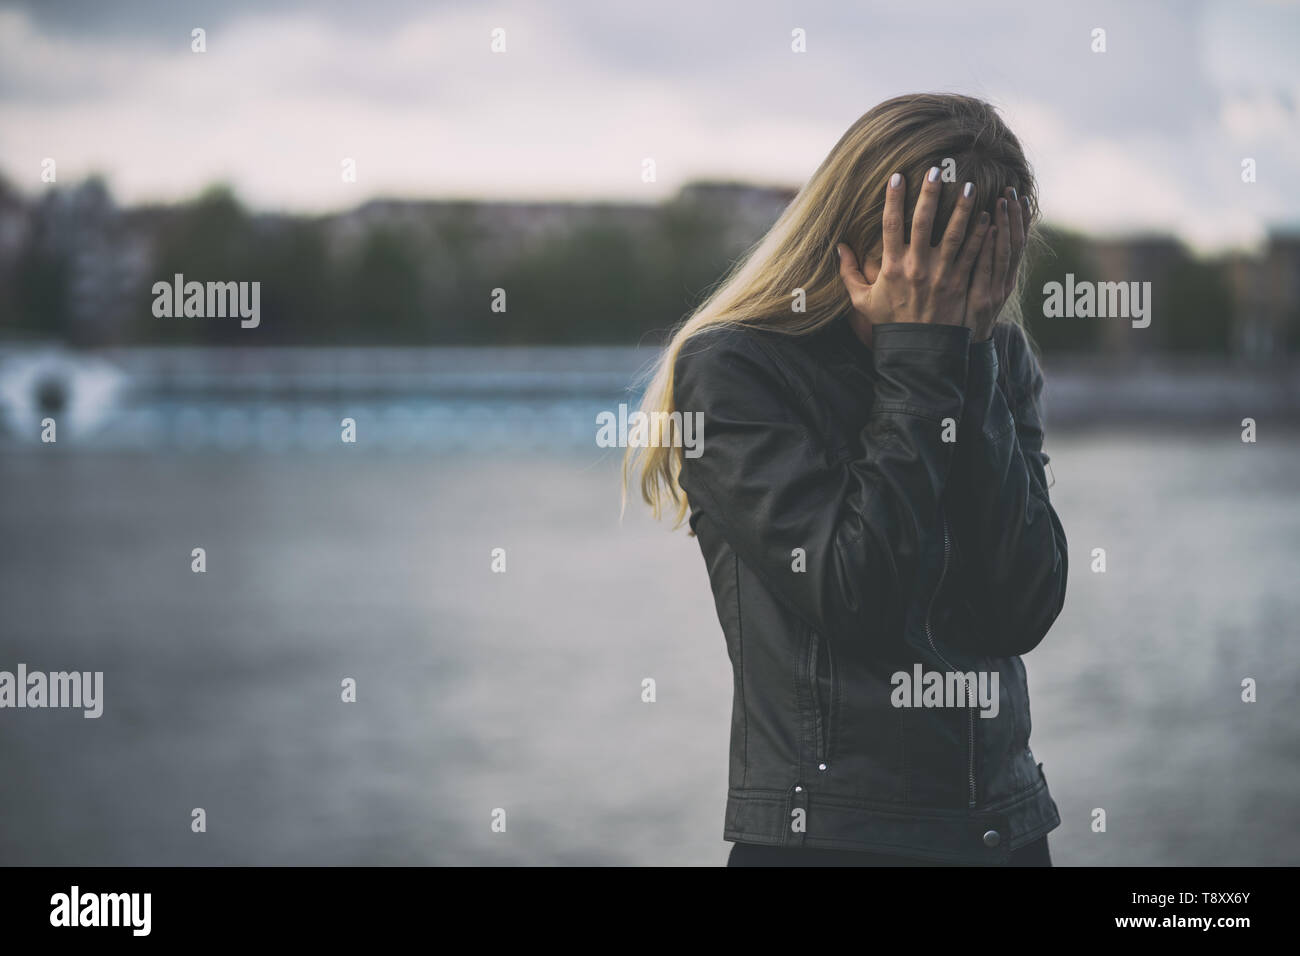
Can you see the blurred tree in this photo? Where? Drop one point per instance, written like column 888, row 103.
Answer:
column 384, row 297
column 458, row 269
column 422, row 273
column 299, row 293
column 211, row 239
column 1198, row 308
column 42, row 287
column 1059, row 252
column 587, row 288
column 693, row 255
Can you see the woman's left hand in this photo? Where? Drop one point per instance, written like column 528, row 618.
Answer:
column 994, row 278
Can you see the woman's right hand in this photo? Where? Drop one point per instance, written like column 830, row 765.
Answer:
column 916, row 282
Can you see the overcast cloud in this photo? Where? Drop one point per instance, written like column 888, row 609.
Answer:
column 1148, row 136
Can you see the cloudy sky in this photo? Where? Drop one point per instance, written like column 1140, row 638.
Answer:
column 1148, row 136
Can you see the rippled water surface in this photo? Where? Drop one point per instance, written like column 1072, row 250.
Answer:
column 521, row 691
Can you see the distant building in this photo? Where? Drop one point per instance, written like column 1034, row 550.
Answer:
column 747, row 211
column 1279, row 322
column 103, row 258
column 1136, row 259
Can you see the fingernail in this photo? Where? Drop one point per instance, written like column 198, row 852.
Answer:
column 933, row 174
column 1013, row 193
column 894, row 180
column 984, row 219
column 967, row 190
column 835, row 251
column 1002, row 205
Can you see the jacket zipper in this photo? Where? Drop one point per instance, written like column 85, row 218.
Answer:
column 823, row 728
column 929, row 636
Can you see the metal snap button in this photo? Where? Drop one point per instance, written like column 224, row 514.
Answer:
column 992, row 838
column 821, row 766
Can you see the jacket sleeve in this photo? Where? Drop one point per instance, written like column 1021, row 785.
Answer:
column 770, row 487
column 998, row 500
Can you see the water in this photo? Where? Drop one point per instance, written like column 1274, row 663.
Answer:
column 522, row 691
column 464, row 400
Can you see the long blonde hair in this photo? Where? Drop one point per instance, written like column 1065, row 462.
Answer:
column 842, row 202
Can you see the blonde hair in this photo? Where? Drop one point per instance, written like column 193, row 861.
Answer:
column 842, row 202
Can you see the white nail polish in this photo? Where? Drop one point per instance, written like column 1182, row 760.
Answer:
column 894, row 180
column 933, row 175
column 967, row 190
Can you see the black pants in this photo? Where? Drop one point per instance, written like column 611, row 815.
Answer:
column 750, row 854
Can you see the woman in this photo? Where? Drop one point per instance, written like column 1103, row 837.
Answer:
column 871, row 502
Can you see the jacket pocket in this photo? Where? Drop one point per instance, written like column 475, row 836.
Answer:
column 821, row 687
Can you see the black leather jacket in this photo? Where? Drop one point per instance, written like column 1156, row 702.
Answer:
column 916, row 550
